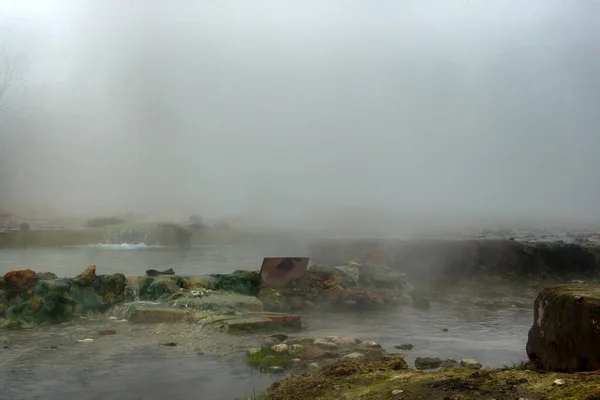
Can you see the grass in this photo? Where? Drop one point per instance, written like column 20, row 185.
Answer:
column 523, row 365
column 265, row 358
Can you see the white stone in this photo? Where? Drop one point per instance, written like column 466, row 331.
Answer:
column 559, row 382
column 397, row 391
column 280, row 348
column 353, row 356
column 345, row 340
column 470, row 363
column 325, row 343
column 253, row 350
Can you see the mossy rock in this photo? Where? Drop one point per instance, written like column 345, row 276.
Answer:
column 273, row 300
column 242, row 282
column 153, row 288
column 46, row 302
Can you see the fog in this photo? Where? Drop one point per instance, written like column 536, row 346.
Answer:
column 312, row 113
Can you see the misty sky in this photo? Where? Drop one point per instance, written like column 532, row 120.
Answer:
column 309, row 111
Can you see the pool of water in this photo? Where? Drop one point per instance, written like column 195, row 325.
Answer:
column 136, row 259
column 488, row 323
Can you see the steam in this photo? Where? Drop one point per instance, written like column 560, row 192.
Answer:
column 312, row 113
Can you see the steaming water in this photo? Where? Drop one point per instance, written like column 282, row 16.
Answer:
column 489, row 324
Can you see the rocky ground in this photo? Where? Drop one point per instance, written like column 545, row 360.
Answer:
column 390, row 378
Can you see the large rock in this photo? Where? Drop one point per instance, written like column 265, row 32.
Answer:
column 20, row 280
column 565, row 335
column 264, row 322
column 144, row 312
column 243, row 282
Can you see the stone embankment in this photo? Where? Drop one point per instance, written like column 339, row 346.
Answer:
column 433, row 261
column 236, row 302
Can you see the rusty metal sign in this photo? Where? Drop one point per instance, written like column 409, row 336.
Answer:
column 278, row 272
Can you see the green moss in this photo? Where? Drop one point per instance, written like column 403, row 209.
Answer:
column 378, row 381
column 243, row 282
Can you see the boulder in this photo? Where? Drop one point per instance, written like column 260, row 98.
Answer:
column 20, row 280
column 86, row 277
column 243, row 282
column 153, row 288
column 110, row 287
column 47, row 301
column 263, row 322
column 565, row 335
column 428, row 362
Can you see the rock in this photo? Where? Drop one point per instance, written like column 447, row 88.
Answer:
column 449, row 363
column 470, row 363
column 242, row 282
column 559, row 382
column 565, row 335
column 279, row 336
column 313, row 366
column 153, row 288
column 292, row 322
column 370, row 343
column 217, row 302
column 108, row 332
column 20, row 280
column 253, row 350
column 48, row 276
column 345, row 341
column 263, row 322
column 111, row 288
column 270, row 341
column 148, row 313
column 428, row 362
column 251, row 324
column 406, row 346
column 86, row 277
column 280, row 348
column 325, row 344
column 296, row 362
column 354, row 356
column 296, row 347
column 397, row 391
column 333, row 294
column 153, row 272
column 275, row 370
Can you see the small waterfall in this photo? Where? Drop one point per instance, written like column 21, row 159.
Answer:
column 143, row 235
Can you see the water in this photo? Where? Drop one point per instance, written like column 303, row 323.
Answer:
column 134, row 259
column 489, row 324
